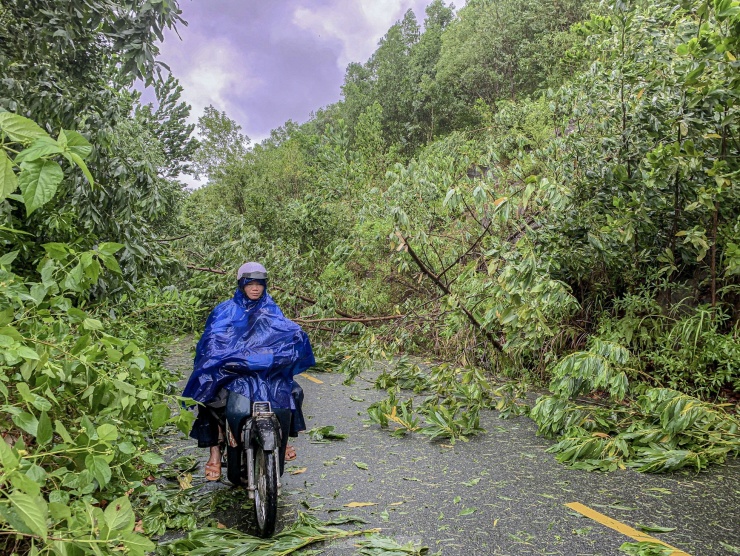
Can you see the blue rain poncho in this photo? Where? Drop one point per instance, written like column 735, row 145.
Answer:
column 256, row 337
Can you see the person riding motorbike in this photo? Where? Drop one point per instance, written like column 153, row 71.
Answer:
column 248, row 332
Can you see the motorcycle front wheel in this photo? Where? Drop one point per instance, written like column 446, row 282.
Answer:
column 265, row 492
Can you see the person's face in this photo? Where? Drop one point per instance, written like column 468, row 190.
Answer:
column 254, row 290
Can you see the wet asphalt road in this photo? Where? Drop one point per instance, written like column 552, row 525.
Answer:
column 499, row 494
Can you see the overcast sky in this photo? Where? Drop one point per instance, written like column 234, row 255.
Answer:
column 264, row 62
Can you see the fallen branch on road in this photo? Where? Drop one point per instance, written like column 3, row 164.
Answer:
column 355, row 319
column 205, row 269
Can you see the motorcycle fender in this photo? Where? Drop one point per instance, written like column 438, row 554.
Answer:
column 267, row 434
column 238, row 408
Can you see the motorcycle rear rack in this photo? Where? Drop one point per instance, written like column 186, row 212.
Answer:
column 261, row 409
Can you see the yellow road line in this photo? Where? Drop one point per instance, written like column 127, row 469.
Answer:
column 621, row 527
column 313, row 379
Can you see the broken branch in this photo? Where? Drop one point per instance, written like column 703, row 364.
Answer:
column 356, row 319
column 434, row 278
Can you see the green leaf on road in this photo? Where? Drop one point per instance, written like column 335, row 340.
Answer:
column 324, row 434
column 152, row 458
column 654, row 528
column 646, row 548
column 468, row 511
column 360, row 465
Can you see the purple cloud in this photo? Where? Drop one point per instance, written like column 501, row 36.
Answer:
column 266, row 62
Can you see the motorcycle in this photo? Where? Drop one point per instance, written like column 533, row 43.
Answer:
column 256, row 435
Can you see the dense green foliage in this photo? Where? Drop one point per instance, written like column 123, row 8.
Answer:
column 87, row 184
column 513, row 191
column 69, row 66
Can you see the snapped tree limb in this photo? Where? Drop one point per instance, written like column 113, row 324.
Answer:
column 434, row 278
column 347, row 317
column 356, row 319
column 205, row 269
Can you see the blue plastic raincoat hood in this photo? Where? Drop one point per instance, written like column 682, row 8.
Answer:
column 256, row 337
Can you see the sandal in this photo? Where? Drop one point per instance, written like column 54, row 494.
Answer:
column 290, row 454
column 213, row 471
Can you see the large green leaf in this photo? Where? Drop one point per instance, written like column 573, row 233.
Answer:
column 78, row 161
column 19, row 128
column 8, row 180
column 160, row 414
column 107, row 432
column 39, row 181
column 27, row 422
column 77, row 144
column 119, row 516
column 8, row 459
column 9, row 514
column 44, row 431
column 109, row 248
column 43, row 146
column 25, row 484
column 99, row 468
column 137, row 545
column 8, row 258
column 111, row 263
column 32, row 511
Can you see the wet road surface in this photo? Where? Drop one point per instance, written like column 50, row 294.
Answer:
column 498, row 494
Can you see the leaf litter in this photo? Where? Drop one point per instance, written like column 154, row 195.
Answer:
column 308, row 530
column 325, row 434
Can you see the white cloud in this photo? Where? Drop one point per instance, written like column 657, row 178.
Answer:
column 207, row 75
column 358, row 26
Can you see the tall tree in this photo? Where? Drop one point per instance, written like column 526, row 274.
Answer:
column 168, row 122
column 69, row 65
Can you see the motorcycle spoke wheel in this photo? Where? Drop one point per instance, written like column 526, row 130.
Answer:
column 266, row 492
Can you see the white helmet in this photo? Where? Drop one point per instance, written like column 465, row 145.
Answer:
column 250, row 271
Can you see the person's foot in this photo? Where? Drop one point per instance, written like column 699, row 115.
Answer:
column 213, row 471
column 213, row 465
column 290, row 454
